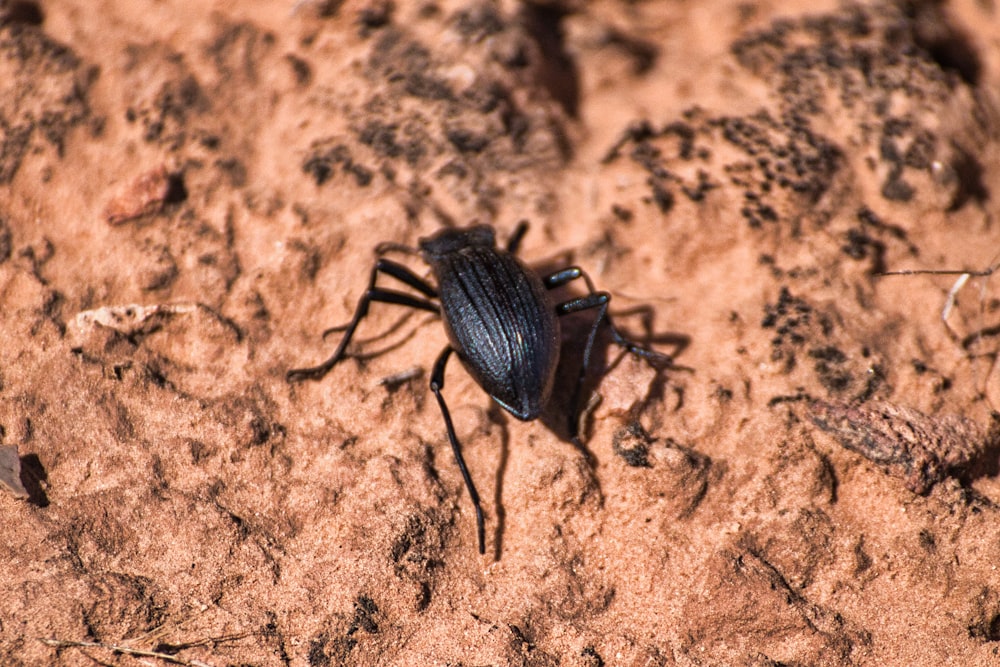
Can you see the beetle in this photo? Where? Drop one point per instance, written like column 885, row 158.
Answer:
column 501, row 322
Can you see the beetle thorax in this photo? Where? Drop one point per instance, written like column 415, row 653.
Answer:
column 447, row 241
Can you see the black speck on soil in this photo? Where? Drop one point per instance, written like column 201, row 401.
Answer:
column 407, row 65
column 632, row 444
column 905, row 57
column 897, row 189
column 384, row 138
column 779, row 155
column 324, row 159
column 860, row 245
column 53, row 109
column 592, row 657
column 6, row 241
column 317, row 655
column 27, row 13
column 301, row 69
column 12, row 150
column 800, row 328
column 373, row 15
column 478, row 22
column 364, row 616
column 467, row 141
column 986, row 629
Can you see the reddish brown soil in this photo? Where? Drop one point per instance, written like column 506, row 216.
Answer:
column 191, row 193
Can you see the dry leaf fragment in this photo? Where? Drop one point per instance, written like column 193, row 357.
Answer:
column 919, row 449
column 128, row 319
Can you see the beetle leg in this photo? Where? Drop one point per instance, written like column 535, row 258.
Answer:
column 593, row 300
column 399, row 272
column 599, row 300
column 514, row 243
column 403, row 274
column 437, row 384
column 373, row 293
column 563, row 276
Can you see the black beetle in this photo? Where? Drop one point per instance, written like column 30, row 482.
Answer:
column 500, row 319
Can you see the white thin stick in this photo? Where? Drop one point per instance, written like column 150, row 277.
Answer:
column 963, row 278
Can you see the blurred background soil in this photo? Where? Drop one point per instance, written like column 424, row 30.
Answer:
column 190, row 194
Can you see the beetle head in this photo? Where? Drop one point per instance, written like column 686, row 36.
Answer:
column 448, row 241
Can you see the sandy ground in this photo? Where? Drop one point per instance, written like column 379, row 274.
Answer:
column 191, row 193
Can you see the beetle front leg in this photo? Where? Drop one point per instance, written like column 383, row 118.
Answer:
column 437, row 384
column 373, row 293
column 598, row 300
column 594, row 300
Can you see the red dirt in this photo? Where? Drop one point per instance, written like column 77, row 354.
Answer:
column 190, row 193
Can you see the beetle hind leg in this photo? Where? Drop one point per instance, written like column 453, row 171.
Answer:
column 397, row 271
column 437, row 384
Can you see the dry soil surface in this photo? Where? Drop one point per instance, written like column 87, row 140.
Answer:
column 192, row 192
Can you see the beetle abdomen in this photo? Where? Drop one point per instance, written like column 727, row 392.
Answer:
column 502, row 324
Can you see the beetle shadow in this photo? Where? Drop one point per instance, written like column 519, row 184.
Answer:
column 362, row 349
column 575, row 329
column 498, row 416
column 605, row 357
column 986, row 463
column 34, row 478
column 556, row 413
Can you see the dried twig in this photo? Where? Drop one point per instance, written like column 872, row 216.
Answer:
column 126, row 650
